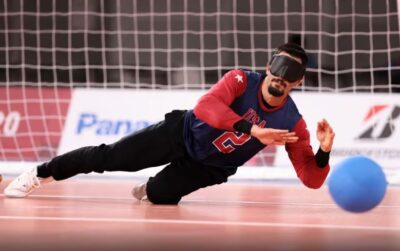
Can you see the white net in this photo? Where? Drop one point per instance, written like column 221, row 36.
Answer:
column 353, row 45
column 49, row 47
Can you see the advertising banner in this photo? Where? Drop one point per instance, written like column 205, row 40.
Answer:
column 365, row 124
column 31, row 122
column 99, row 116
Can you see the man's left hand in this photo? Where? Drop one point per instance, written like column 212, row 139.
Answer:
column 325, row 135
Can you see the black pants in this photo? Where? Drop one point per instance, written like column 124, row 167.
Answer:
column 159, row 144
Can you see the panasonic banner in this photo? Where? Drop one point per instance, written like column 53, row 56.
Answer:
column 104, row 116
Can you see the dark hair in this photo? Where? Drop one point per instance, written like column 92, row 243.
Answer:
column 294, row 50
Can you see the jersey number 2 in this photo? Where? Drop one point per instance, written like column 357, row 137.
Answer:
column 228, row 140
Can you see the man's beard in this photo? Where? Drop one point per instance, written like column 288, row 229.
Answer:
column 275, row 91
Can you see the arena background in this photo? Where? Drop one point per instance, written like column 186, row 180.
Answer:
column 75, row 73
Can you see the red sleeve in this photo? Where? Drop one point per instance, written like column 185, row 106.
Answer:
column 213, row 107
column 303, row 158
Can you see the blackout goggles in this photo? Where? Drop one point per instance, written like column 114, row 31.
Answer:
column 287, row 68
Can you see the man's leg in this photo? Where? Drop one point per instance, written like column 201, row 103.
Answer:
column 155, row 145
column 181, row 178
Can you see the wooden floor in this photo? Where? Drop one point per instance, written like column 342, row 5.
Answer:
column 91, row 214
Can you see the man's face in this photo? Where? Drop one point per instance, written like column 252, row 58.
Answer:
column 276, row 85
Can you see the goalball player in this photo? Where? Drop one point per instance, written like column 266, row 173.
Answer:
column 240, row 115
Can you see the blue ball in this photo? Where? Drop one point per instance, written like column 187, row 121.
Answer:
column 357, row 184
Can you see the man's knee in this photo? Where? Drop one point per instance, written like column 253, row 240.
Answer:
column 157, row 195
column 100, row 158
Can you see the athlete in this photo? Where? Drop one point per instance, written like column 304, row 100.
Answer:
column 240, row 115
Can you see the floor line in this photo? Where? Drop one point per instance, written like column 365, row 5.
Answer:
column 224, row 202
column 195, row 222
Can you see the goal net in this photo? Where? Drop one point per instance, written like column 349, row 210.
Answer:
column 48, row 48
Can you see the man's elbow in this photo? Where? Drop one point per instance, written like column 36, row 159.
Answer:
column 315, row 178
column 313, row 183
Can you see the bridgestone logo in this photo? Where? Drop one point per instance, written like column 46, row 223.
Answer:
column 382, row 127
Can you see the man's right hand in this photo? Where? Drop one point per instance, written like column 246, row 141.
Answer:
column 270, row 136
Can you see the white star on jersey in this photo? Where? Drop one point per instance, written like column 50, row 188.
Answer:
column 239, row 78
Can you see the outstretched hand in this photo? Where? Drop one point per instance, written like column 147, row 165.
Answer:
column 325, row 135
column 269, row 136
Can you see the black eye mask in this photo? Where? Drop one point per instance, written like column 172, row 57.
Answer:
column 286, row 68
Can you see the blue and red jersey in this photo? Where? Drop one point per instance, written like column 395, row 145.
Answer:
column 211, row 139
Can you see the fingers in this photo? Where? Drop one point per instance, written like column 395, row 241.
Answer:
column 323, row 125
column 279, row 131
column 284, row 141
column 279, row 143
column 325, row 135
column 323, row 122
column 272, row 136
column 291, row 139
column 286, row 138
column 290, row 134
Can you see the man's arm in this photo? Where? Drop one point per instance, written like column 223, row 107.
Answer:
column 213, row 107
column 311, row 169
